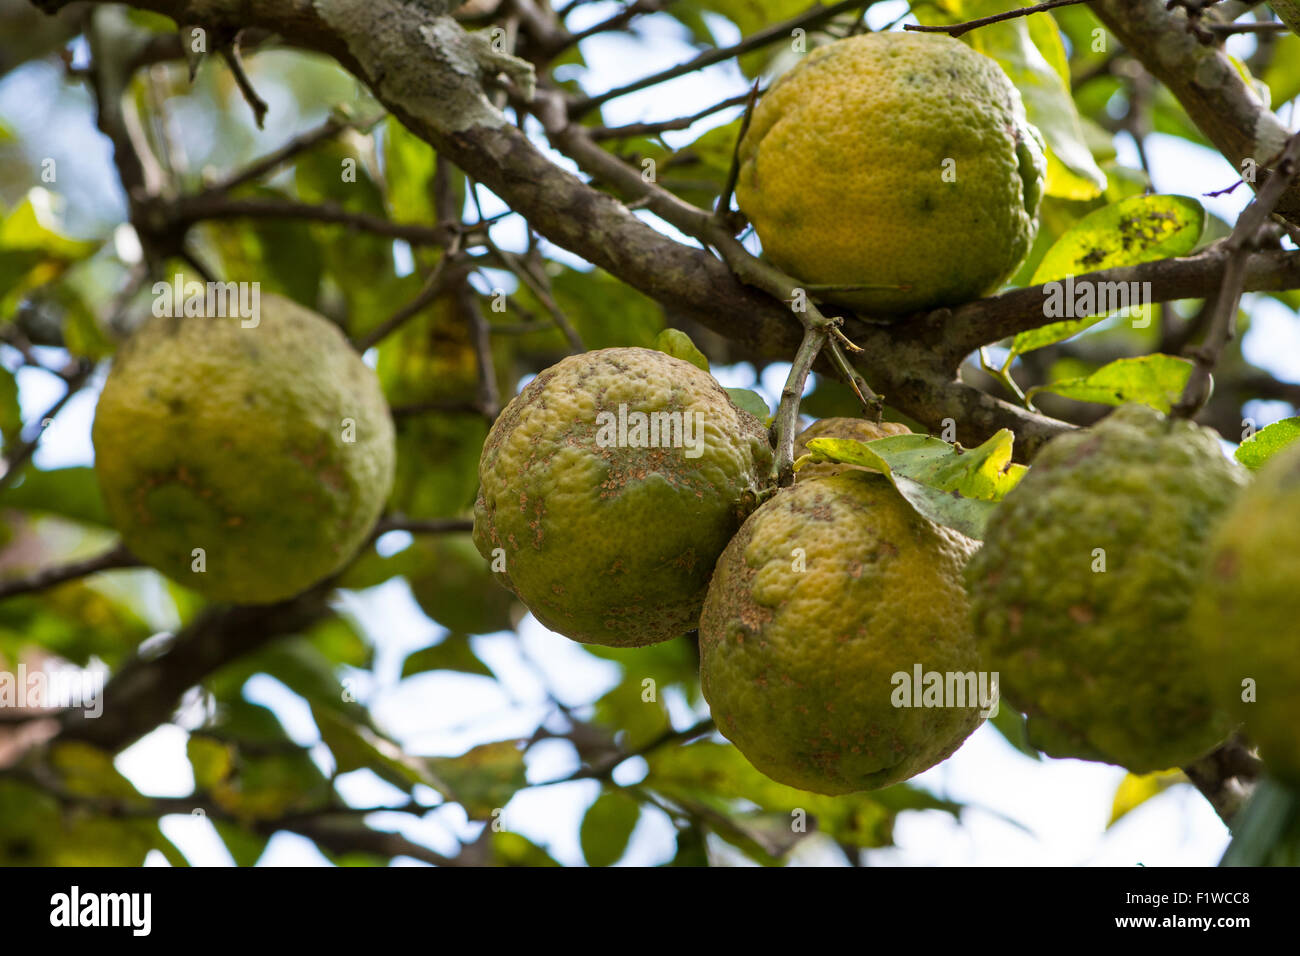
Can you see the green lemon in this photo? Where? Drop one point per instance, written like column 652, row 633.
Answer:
column 898, row 162
column 609, row 531
column 1248, row 608
column 821, row 608
column 245, row 463
column 1082, row 589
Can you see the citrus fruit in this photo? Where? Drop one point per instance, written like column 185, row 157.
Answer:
column 454, row 586
column 1246, row 612
column 829, row 591
column 901, row 163
column 1082, row 589
column 610, row 527
column 245, row 463
column 858, row 429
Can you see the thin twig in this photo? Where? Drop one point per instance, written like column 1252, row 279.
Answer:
column 115, row 557
column 787, row 411
column 1225, row 29
column 211, row 206
column 615, row 22
column 1222, row 306
column 723, row 208
column 433, row 287
column 662, row 126
column 768, row 35
column 299, row 144
column 957, row 29
column 233, row 60
column 467, row 305
column 539, row 289
column 18, row 456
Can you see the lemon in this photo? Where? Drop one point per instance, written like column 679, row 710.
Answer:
column 899, row 162
column 1247, row 608
column 831, row 590
column 1082, row 590
column 609, row 531
column 245, row 463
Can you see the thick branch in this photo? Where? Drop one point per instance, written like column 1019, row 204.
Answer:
column 958, row 333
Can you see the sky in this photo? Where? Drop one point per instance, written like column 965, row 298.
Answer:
column 1020, row 811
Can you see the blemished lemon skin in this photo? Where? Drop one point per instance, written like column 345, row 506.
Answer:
column 1247, row 613
column 1082, row 590
column 829, row 590
column 614, row 544
column 270, row 448
column 898, row 161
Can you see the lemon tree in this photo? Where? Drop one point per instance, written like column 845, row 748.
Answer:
column 610, row 485
column 830, row 590
column 245, row 463
column 895, row 170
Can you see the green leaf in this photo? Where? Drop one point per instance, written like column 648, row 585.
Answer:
column 513, row 849
column 950, row 485
column 357, row 747
column 634, row 706
column 678, row 344
column 607, row 827
column 1156, row 380
column 71, row 493
column 1136, row 789
column 1126, row 233
column 307, row 672
column 212, row 760
column 747, row 400
column 1267, row 829
column 339, row 641
column 1283, row 71
column 484, row 778
column 453, row 653
column 245, row 846
column 1267, row 442
column 1129, row 232
column 409, row 167
column 33, row 250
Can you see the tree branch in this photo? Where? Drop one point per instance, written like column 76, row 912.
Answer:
column 146, row 690
column 115, row 557
column 1205, row 81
